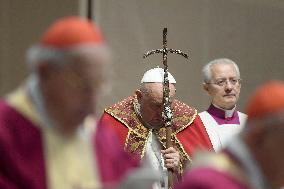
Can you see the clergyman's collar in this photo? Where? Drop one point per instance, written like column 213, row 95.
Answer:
column 223, row 116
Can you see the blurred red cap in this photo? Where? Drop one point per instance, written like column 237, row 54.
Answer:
column 266, row 100
column 72, row 31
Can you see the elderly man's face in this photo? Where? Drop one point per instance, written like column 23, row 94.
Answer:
column 151, row 103
column 224, row 87
column 71, row 90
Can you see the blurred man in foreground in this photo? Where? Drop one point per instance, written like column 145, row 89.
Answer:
column 43, row 143
column 254, row 159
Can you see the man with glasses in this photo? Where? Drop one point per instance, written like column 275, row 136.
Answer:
column 223, row 84
column 253, row 159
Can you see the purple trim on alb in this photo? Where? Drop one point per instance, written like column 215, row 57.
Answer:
column 219, row 116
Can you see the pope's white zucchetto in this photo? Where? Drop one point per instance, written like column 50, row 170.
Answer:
column 156, row 75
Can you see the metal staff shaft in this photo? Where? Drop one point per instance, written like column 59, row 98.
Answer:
column 166, row 95
column 166, row 102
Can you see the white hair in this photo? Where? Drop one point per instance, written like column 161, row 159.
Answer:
column 39, row 54
column 206, row 70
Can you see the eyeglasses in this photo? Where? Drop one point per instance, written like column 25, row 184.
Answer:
column 223, row 81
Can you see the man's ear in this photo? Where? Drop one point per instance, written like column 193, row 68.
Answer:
column 46, row 70
column 42, row 70
column 138, row 94
column 206, row 87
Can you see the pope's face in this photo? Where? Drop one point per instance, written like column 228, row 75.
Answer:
column 224, row 86
column 151, row 103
